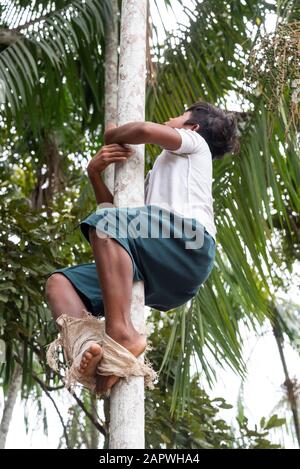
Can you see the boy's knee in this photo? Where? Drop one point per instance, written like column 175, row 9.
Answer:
column 54, row 282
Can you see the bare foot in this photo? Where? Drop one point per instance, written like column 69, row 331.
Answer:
column 136, row 344
column 90, row 360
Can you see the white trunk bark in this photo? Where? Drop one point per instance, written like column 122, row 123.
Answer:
column 9, row 405
column 111, row 83
column 111, row 111
column 127, row 412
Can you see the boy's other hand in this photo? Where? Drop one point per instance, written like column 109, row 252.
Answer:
column 108, row 154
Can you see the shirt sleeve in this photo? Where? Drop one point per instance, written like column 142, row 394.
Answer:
column 191, row 141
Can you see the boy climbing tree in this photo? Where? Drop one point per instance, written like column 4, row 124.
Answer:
column 178, row 197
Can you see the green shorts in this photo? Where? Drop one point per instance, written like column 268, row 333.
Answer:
column 173, row 255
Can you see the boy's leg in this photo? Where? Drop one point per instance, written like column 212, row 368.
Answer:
column 63, row 299
column 115, row 273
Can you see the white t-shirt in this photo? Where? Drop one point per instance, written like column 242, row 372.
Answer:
column 181, row 180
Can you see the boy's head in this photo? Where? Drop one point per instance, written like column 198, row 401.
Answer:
column 217, row 127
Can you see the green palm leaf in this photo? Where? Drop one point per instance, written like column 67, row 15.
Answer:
column 53, row 38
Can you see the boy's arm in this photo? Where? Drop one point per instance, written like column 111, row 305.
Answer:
column 144, row 132
column 107, row 155
column 102, row 193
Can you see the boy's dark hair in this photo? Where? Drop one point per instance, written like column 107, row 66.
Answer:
column 217, row 127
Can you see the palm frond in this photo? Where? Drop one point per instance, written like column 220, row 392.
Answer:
column 54, row 38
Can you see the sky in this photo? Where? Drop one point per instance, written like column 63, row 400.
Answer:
column 262, row 389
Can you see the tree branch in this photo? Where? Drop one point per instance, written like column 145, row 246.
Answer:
column 99, row 427
column 44, row 387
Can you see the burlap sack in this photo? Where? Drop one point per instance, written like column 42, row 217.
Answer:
column 118, row 361
column 77, row 335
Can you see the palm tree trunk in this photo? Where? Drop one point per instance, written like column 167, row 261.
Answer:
column 9, row 404
column 111, row 108
column 111, row 82
column 127, row 412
